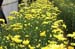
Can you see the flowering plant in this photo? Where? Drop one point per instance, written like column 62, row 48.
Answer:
column 34, row 27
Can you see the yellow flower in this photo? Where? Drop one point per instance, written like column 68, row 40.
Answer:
column 29, row 24
column 66, row 42
column 73, row 44
column 15, row 29
column 74, row 34
column 7, row 37
column 33, row 10
column 1, row 47
column 36, row 28
column 25, row 25
column 31, row 47
column 38, row 45
column 16, row 39
column 11, row 17
column 52, row 42
column 58, row 30
column 60, row 37
column 43, row 33
column 45, row 47
column 56, row 23
column 26, row 35
column 70, row 35
column 45, row 22
column 16, row 26
column 70, row 47
column 54, row 26
column 55, row 46
column 21, row 10
column 14, row 12
column 46, row 1
column 64, row 25
column 28, row 16
column 2, row 20
column 17, row 36
column 47, row 18
column 48, row 14
column 12, row 44
column 21, row 45
column 26, row 42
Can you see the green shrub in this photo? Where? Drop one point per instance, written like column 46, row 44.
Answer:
column 34, row 27
column 68, row 13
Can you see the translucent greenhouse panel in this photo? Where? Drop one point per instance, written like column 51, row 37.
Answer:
column 9, row 6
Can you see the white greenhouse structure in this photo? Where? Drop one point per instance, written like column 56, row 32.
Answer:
column 9, row 6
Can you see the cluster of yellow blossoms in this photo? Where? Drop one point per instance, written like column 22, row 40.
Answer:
column 58, row 27
column 34, row 27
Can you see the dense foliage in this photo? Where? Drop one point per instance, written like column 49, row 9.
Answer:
column 37, row 26
column 68, row 14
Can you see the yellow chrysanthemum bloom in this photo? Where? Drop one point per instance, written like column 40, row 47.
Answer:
column 43, row 33
column 46, row 1
column 74, row 35
column 33, row 10
column 7, row 37
column 1, row 47
column 14, row 29
column 64, row 25
column 71, row 35
column 52, row 42
column 48, row 14
column 36, row 28
column 12, row 44
column 26, row 35
column 70, row 47
column 25, row 25
column 55, row 26
column 58, row 30
column 45, row 47
column 26, row 42
column 31, row 47
column 55, row 46
column 17, row 36
column 60, row 37
column 16, row 39
column 73, row 44
column 16, row 26
column 21, row 46
column 11, row 17
column 28, row 16
column 38, row 45
column 14, row 12
column 21, row 10
column 2, row 20
column 45, row 22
